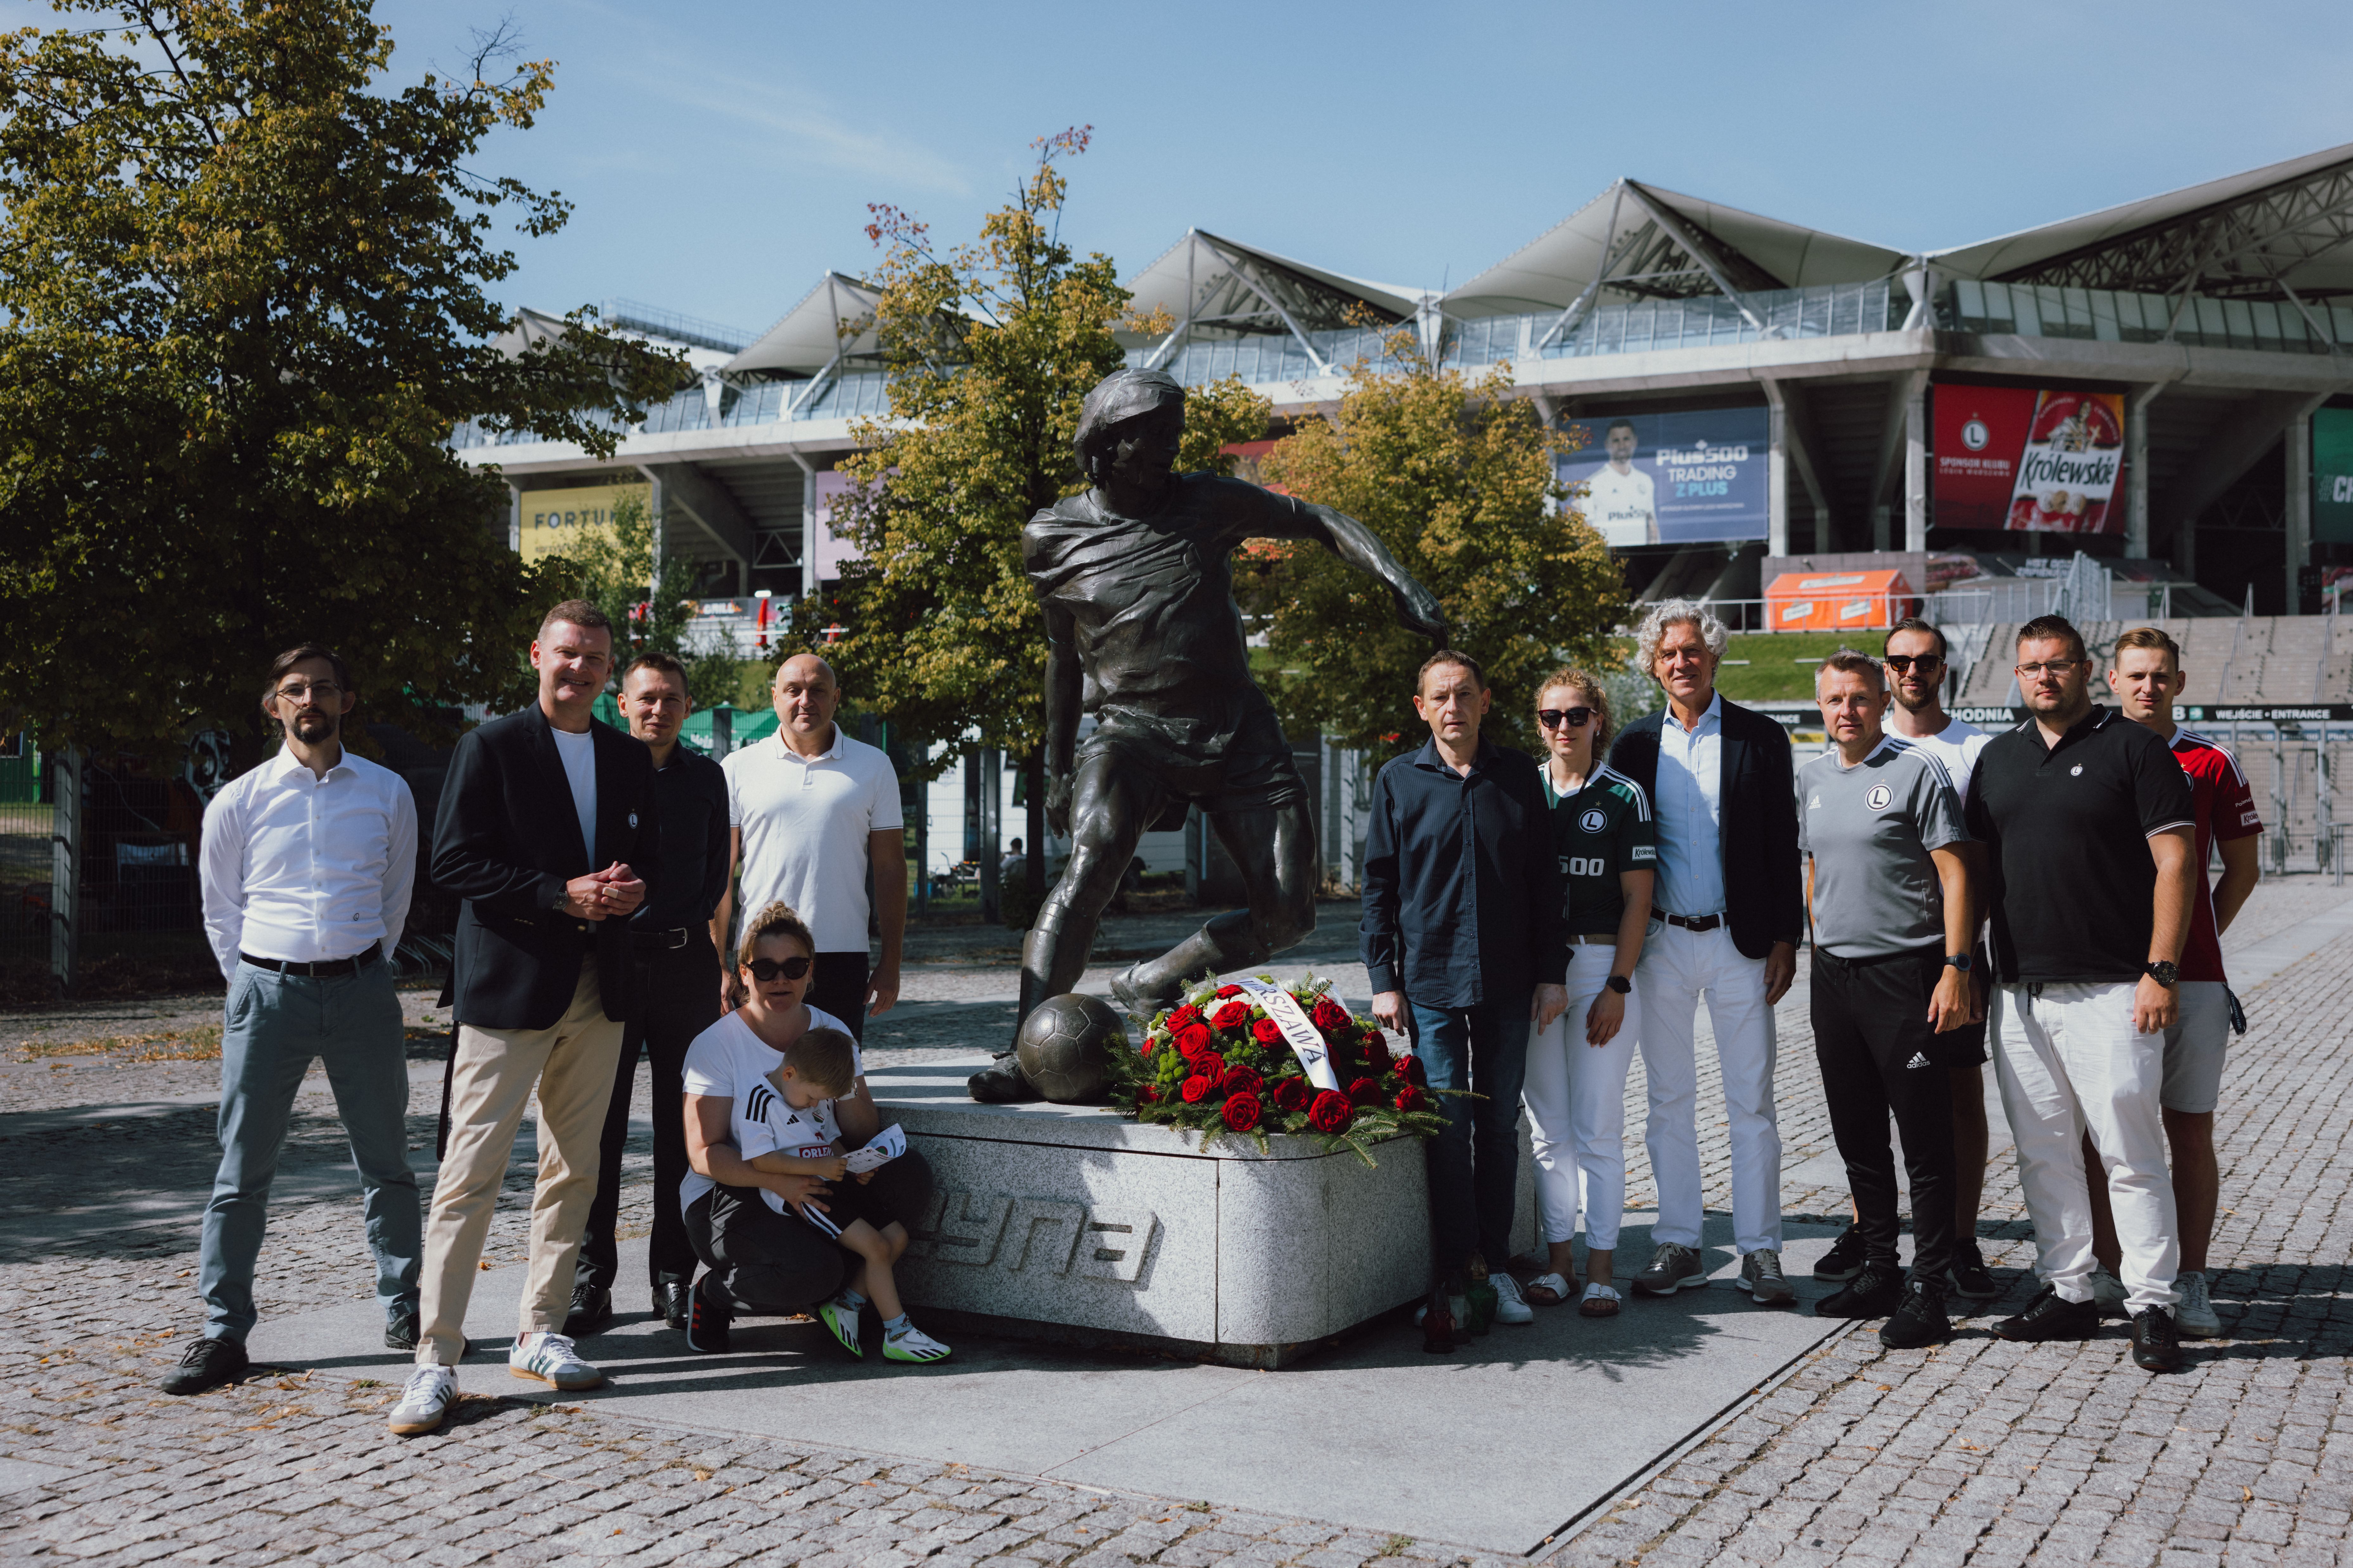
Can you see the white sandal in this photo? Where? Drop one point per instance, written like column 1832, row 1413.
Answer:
column 1600, row 1302
column 1552, row 1282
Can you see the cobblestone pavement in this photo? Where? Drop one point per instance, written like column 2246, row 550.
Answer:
column 1978, row 1451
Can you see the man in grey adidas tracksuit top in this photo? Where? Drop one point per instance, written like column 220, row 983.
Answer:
column 1887, row 891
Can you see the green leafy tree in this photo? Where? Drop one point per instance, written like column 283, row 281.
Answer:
column 242, row 309
column 992, row 347
column 614, row 570
column 1458, row 479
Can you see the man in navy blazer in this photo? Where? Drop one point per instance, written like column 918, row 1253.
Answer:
column 547, row 831
column 1727, row 918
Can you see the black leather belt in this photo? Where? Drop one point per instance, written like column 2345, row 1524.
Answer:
column 1695, row 922
column 330, row 966
column 676, row 937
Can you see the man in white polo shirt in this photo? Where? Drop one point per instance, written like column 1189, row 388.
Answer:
column 811, row 810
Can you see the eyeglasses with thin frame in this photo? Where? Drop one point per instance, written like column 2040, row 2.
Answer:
column 1901, row 663
column 766, row 970
column 2057, row 667
column 1554, row 718
column 320, row 691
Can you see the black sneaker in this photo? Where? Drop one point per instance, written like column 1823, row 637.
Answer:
column 2047, row 1317
column 400, row 1328
column 208, row 1364
column 592, row 1309
column 706, row 1321
column 2157, row 1346
column 669, row 1302
column 1874, row 1292
column 1918, row 1319
column 1970, row 1279
column 1844, row 1260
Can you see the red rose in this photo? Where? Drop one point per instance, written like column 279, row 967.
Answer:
column 1365, row 1091
column 1267, row 1032
column 1331, row 1112
column 1147, row 1095
column 1233, row 1015
column 1329, row 1017
column 1184, row 1017
column 1242, row 1112
column 1226, row 990
column 1290, row 1094
column 1242, row 1080
column 1193, row 1041
column 1408, row 1066
column 1411, row 1098
column 1197, row 1088
column 1211, row 1065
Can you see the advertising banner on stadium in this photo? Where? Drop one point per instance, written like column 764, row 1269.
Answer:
column 1672, row 478
column 554, row 521
column 2332, row 476
column 2028, row 460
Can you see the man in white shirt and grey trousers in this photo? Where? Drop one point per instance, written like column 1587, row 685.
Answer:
column 307, row 863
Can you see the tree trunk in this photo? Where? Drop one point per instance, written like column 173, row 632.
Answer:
column 1033, row 775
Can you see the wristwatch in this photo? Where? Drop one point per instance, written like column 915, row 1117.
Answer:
column 1960, row 961
column 1620, row 984
column 2164, row 971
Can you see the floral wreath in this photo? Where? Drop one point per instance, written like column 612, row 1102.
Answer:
column 1218, row 1063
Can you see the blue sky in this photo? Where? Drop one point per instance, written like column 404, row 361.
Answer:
column 721, row 154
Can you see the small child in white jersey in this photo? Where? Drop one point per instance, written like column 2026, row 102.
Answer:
column 793, row 1131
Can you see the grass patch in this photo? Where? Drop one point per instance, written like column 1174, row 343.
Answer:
column 1781, row 665
column 199, row 1043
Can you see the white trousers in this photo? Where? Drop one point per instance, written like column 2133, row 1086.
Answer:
column 1576, row 1096
column 1677, row 966
column 2069, row 1061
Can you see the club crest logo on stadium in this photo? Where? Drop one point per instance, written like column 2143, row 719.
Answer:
column 1593, row 821
column 1878, row 797
column 1974, row 434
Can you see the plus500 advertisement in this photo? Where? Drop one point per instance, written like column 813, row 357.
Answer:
column 2028, row 460
column 1671, row 479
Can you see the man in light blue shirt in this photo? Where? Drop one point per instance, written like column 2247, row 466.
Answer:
column 1729, row 911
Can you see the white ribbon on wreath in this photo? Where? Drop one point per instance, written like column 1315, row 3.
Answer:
column 1306, row 1041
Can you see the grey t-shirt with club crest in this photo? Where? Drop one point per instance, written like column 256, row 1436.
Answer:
column 1869, row 829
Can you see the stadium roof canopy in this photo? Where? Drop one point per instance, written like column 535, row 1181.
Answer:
column 1212, row 288
column 2278, row 232
column 831, row 327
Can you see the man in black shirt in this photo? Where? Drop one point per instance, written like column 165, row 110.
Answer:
column 2087, row 820
column 1462, row 937
column 676, row 962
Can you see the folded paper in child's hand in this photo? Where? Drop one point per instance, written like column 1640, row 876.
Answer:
column 883, row 1147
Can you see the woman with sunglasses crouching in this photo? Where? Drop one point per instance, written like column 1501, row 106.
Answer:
column 1576, row 1087
column 761, row 1260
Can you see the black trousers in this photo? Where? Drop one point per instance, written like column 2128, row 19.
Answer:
column 838, row 985
column 1878, row 1053
column 678, row 998
column 774, row 1265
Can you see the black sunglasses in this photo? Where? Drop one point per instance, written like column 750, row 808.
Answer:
column 765, row 970
column 1901, row 663
column 1554, row 718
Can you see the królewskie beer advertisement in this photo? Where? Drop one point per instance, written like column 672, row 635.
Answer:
column 2028, row 459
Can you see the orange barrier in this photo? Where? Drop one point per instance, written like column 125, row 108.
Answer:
column 1835, row 601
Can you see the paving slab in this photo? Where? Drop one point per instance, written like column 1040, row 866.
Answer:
column 1375, row 1432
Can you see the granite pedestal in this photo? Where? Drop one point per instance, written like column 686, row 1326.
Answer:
column 1075, row 1224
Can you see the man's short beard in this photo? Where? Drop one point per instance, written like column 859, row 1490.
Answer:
column 1904, row 699
column 334, row 724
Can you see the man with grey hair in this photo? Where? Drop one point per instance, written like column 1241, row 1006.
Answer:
column 1730, row 909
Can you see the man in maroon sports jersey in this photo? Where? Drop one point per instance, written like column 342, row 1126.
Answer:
column 2147, row 678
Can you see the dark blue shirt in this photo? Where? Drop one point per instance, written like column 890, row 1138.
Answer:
column 1463, row 891
column 691, row 794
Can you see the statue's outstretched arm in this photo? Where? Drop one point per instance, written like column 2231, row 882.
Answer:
column 1418, row 608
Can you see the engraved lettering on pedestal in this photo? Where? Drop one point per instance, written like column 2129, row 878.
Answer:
column 960, row 1227
column 1044, row 1234
column 1115, row 1243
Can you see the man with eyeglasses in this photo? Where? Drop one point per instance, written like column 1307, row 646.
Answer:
column 548, row 830
column 306, row 867
column 1916, row 659
column 2088, row 819
column 677, row 953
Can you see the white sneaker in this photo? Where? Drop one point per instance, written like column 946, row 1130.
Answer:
column 2108, row 1294
column 1511, row 1307
column 911, row 1343
column 550, row 1359
column 425, row 1401
column 2194, row 1315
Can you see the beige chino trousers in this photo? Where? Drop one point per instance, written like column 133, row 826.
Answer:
column 571, row 1064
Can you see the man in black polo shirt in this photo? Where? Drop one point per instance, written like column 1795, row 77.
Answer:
column 2088, row 819
column 678, row 995
column 1462, row 934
